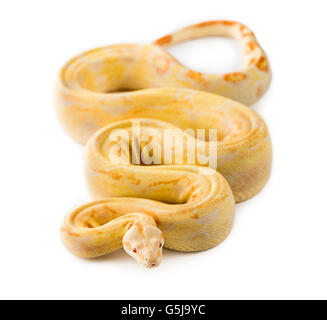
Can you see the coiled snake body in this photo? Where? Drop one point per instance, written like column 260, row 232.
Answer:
column 186, row 207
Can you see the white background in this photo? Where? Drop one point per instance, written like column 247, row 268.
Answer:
column 277, row 248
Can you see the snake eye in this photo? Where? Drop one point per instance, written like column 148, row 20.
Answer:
column 160, row 245
column 134, row 250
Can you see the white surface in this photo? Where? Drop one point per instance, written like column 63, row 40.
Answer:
column 277, row 248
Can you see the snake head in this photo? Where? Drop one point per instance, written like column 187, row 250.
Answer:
column 144, row 244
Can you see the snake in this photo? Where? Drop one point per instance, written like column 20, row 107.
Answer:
column 184, row 206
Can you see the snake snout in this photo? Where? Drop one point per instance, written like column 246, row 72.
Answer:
column 152, row 256
column 152, row 263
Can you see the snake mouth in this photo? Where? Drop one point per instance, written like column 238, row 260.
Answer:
column 123, row 90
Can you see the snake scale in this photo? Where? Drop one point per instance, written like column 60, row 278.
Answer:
column 183, row 204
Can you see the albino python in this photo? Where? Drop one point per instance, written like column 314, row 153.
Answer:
column 185, row 206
